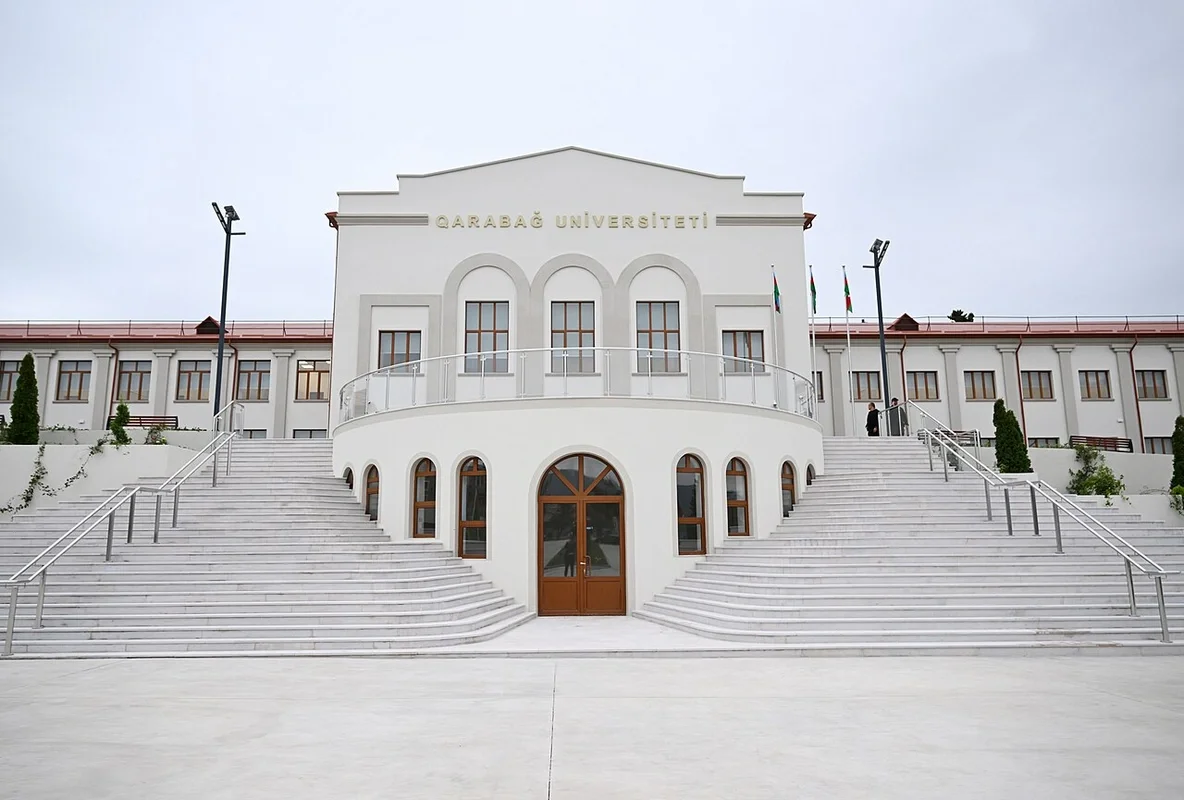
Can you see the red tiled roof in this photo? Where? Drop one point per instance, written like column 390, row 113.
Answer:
column 163, row 331
column 832, row 327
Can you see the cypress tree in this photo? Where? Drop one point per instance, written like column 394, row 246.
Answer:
column 1011, row 451
column 118, row 426
column 26, row 420
column 1178, row 454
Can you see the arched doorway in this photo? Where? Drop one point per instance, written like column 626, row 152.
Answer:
column 581, row 538
column 789, row 492
column 349, row 478
column 372, row 492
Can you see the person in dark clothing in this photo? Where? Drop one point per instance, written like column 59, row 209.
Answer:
column 873, row 420
column 898, row 421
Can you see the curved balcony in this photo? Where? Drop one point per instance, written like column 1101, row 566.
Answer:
column 577, row 373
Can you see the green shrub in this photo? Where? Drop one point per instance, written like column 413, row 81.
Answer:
column 1178, row 454
column 118, row 425
column 26, row 419
column 1176, row 497
column 1011, row 451
column 1095, row 476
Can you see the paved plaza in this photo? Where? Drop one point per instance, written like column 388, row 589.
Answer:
column 646, row 728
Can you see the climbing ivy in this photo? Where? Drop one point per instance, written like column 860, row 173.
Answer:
column 37, row 479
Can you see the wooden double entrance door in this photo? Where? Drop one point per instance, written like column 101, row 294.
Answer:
column 581, row 538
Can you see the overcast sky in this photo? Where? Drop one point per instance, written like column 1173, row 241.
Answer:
column 1023, row 157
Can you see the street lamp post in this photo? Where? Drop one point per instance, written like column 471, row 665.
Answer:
column 878, row 249
column 227, row 220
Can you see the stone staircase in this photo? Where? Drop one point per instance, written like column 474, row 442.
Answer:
column 279, row 558
column 883, row 555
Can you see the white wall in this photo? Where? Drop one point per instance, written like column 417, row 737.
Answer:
column 1141, row 471
column 109, row 469
column 518, row 441
column 1158, row 417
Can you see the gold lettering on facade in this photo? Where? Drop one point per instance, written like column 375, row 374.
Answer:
column 643, row 222
column 585, row 220
column 599, row 220
column 474, row 221
column 678, row 222
column 576, row 222
column 489, row 223
column 694, row 221
column 665, row 220
column 520, row 222
column 626, row 221
column 612, row 221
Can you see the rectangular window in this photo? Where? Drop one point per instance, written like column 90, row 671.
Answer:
column 8, row 374
column 312, row 380
column 573, row 328
column 658, row 340
column 987, row 441
column 867, row 386
column 1151, row 384
column 1036, row 385
column 922, row 385
column 818, row 386
column 309, row 433
column 398, row 347
column 980, row 384
column 1043, row 441
column 74, row 381
column 254, row 380
column 487, row 330
column 748, row 345
column 193, row 381
column 1095, row 384
column 1158, row 444
column 134, row 380
column 254, row 433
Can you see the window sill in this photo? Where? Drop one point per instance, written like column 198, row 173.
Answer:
column 487, row 374
column 309, row 400
column 264, row 400
column 1153, row 399
column 925, row 400
column 660, row 374
column 981, row 399
column 475, row 558
column 73, row 402
column 1039, row 400
column 1097, row 399
column 179, row 400
column 131, row 402
column 574, row 375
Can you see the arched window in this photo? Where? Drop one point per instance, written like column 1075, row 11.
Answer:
column 789, row 492
column 736, row 482
column 349, row 478
column 471, row 528
column 423, row 506
column 809, row 474
column 372, row 492
column 692, row 525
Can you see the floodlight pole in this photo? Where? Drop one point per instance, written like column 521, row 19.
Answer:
column 878, row 249
column 227, row 221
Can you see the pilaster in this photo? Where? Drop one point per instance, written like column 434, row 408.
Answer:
column 281, row 372
column 895, row 387
column 1178, row 364
column 45, row 384
column 838, row 394
column 1070, row 388
column 100, row 388
column 227, row 379
column 1126, row 388
column 955, row 394
column 1011, row 379
column 161, row 385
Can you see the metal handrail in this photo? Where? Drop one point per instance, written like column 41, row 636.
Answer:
column 106, row 511
column 232, row 406
column 1059, row 503
column 754, row 370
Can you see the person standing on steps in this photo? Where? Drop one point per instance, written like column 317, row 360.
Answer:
column 898, row 423
column 873, row 420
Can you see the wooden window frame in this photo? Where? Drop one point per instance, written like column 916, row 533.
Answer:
column 471, row 468
column 1049, row 442
column 692, row 465
column 975, row 383
column 9, row 372
column 399, row 359
column 788, row 484
column 476, row 360
column 737, row 468
column 373, row 488
column 310, row 431
column 740, row 352
column 138, row 373
column 185, row 381
column 1094, row 384
column 1158, row 384
column 424, row 468
column 304, row 379
column 868, row 397
column 1161, row 445
column 912, row 386
column 1027, row 387
column 70, row 396
column 668, row 363
column 255, row 393
column 567, row 338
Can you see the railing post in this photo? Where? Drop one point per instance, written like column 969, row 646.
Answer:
column 110, row 534
column 229, row 445
column 945, row 464
column 40, row 600
column 481, row 360
column 1056, row 524
column 215, row 478
column 1163, row 611
column 723, row 381
column 176, row 503
column 1007, row 507
column 131, row 516
column 752, row 371
column 386, row 391
column 1130, row 588
column 649, row 376
column 1035, row 515
column 414, row 372
column 929, row 449
column 12, row 598
column 565, row 373
column 156, row 519
column 608, row 373
column 987, row 492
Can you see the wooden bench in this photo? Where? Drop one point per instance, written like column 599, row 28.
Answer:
column 148, row 422
column 1111, row 443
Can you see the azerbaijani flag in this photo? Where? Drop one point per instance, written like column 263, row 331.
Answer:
column 776, row 292
column 813, row 293
column 846, row 290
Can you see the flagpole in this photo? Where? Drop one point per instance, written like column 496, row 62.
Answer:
column 813, row 338
column 850, row 363
column 773, row 319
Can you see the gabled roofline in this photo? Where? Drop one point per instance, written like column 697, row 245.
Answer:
column 578, row 149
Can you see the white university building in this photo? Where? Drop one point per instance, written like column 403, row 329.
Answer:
column 568, row 368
